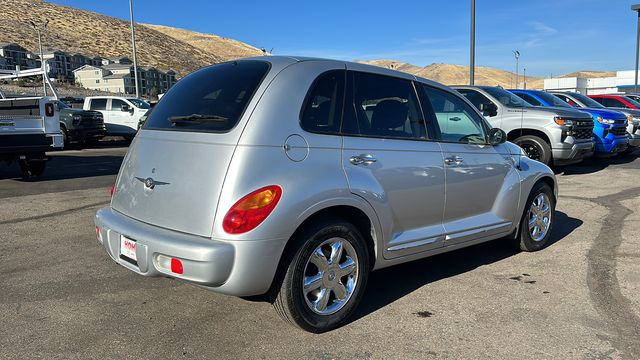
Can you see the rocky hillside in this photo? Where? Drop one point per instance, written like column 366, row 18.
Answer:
column 89, row 33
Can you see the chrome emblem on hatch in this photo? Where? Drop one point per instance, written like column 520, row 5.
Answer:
column 149, row 183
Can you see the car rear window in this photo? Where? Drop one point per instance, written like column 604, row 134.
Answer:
column 209, row 100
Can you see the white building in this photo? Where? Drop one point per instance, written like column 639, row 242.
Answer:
column 623, row 82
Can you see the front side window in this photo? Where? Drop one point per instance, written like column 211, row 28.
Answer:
column 322, row 111
column 116, row 104
column 383, row 106
column 457, row 121
column 98, row 104
column 212, row 99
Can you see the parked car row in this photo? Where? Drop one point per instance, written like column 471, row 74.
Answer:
column 557, row 128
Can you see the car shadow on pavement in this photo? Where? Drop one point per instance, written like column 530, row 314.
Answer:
column 387, row 285
column 595, row 164
column 62, row 166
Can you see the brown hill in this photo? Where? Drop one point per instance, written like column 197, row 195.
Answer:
column 90, row 33
column 459, row 74
column 590, row 74
column 211, row 44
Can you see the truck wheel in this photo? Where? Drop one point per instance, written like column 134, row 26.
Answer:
column 30, row 168
column 325, row 280
column 535, row 148
column 65, row 136
column 537, row 220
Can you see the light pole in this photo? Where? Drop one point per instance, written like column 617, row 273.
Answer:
column 516, row 53
column 636, row 8
column 524, row 75
column 133, row 45
column 42, row 62
column 472, row 50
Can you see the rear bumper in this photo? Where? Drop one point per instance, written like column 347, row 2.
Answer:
column 20, row 144
column 572, row 153
column 240, row 268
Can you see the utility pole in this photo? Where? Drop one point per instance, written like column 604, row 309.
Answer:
column 133, row 45
column 472, row 51
column 636, row 8
column 516, row 53
column 42, row 62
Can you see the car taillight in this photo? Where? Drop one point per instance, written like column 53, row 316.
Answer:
column 48, row 109
column 251, row 210
column 113, row 190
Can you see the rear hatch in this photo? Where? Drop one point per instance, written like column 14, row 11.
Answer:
column 174, row 171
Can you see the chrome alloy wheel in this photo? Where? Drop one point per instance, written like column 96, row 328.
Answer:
column 330, row 276
column 539, row 217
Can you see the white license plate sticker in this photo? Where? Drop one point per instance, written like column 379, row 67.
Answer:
column 128, row 248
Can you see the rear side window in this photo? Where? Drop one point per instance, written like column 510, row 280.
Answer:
column 322, row 109
column 474, row 97
column 209, row 100
column 383, row 106
column 611, row 102
column 98, row 104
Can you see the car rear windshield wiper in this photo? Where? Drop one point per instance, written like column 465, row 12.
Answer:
column 196, row 119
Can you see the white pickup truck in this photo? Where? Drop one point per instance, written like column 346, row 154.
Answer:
column 121, row 114
column 29, row 127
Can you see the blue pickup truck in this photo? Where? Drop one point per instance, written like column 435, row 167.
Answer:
column 610, row 130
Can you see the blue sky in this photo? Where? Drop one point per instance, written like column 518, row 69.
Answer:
column 553, row 36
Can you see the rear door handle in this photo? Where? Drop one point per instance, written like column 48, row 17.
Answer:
column 362, row 159
column 453, row 160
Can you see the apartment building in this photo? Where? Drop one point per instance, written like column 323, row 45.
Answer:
column 120, row 78
column 16, row 55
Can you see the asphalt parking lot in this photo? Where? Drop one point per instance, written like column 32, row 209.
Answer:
column 62, row 297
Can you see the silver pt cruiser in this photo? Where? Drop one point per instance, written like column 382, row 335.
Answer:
column 297, row 177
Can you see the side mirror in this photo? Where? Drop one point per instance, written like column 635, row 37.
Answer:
column 125, row 108
column 497, row 136
column 489, row 108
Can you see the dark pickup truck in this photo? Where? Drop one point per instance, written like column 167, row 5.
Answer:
column 82, row 126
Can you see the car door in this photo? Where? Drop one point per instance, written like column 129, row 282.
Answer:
column 389, row 161
column 477, row 99
column 482, row 183
column 122, row 119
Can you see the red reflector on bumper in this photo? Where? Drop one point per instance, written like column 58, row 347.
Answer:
column 176, row 266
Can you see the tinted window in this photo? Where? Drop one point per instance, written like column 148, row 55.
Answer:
column 528, row 98
column 116, row 104
column 474, row 97
column 611, row 102
column 551, row 99
column 506, row 98
column 98, row 104
column 323, row 107
column 382, row 106
column 457, row 121
column 631, row 101
column 210, row 99
column 587, row 101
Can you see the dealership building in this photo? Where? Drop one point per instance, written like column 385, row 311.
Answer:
column 623, row 82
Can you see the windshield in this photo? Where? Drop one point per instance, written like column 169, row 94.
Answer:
column 140, row 104
column 62, row 105
column 632, row 102
column 506, row 98
column 587, row 101
column 552, row 99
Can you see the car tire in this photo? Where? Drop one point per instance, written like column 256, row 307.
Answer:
column 535, row 148
column 538, row 214
column 319, row 308
column 31, row 168
column 65, row 136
